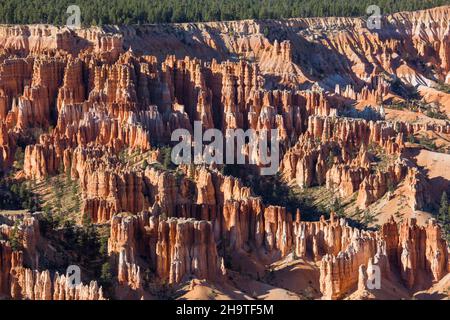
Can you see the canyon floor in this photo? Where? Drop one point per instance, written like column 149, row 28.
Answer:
column 358, row 208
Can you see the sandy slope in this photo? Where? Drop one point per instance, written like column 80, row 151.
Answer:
column 437, row 168
column 432, row 95
column 440, row 290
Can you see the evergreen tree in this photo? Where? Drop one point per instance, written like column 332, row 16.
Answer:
column 447, row 227
column 15, row 239
column 99, row 12
column 337, row 208
column 443, row 210
column 166, row 154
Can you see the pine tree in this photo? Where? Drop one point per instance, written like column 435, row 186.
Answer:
column 447, row 226
column 443, row 210
column 337, row 208
column 140, row 11
column 106, row 276
column 15, row 239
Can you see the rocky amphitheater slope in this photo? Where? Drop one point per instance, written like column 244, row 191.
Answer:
column 97, row 106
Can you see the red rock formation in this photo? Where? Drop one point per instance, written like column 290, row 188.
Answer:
column 5, row 267
column 129, row 273
column 27, row 232
column 72, row 90
column 345, row 179
column 374, row 186
column 178, row 247
column 411, row 249
column 15, row 74
column 419, row 249
column 30, row 284
column 44, row 39
column 339, row 274
column 316, row 239
column 277, row 229
column 418, row 189
column 40, row 161
column 123, row 189
column 19, row 282
column 103, row 104
column 7, row 146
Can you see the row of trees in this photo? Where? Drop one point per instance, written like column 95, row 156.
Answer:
column 99, row 12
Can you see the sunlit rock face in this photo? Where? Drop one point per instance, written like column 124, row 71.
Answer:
column 98, row 106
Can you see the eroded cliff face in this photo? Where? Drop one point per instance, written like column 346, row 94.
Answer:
column 31, row 284
column 405, row 249
column 97, row 106
column 175, row 248
column 19, row 274
column 341, row 47
column 134, row 102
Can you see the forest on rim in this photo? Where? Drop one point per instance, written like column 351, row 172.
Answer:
column 100, row 12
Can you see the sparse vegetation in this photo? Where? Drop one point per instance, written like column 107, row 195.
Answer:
column 444, row 87
column 144, row 164
column 274, row 191
column 17, row 196
column 414, row 105
column 85, row 245
column 167, row 158
column 427, row 143
column 368, row 218
column 19, row 157
column 390, row 186
column 436, row 115
column 423, row 141
column 411, row 138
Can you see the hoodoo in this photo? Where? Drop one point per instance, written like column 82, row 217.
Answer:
column 300, row 158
